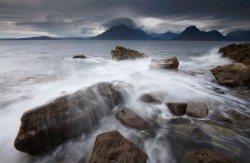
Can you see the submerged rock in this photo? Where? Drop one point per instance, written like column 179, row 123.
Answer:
column 235, row 75
column 239, row 53
column 186, row 135
column 112, row 147
column 121, row 53
column 131, row 119
column 207, row 156
column 46, row 126
column 165, row 63
column 150, row 98
column 79, row 57
column 192, row 109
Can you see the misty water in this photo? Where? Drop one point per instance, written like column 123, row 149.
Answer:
column 35, row 72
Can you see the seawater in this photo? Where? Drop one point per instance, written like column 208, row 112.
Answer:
column 35, row 72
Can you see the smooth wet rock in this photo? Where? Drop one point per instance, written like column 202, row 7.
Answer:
column 79, row 57
column 197, row 109
column 177, row 108
column 235, row 75
column 47, row 126
column 112, row 147
column 239, row 53
column 131, row 119
column 165, row 63
column 150, row 98
column 121, row 53
column 207, row 156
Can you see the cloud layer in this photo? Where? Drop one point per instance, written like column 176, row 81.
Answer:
column 91, row 17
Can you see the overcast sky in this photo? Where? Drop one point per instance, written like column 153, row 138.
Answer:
column 82, row 18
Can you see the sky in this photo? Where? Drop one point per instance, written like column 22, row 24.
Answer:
column 85, row 18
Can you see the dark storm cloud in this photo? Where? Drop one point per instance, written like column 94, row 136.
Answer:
column 121, row 21
column 65, row 14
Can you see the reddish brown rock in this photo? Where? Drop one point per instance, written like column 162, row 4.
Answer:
column 121, row 53
column 235, row 75
column 46, row 126
column 177, row 108
column 165, row 63
column 239, row 53
column 112, row 147
column 207, row 156
column 131, row 119
column 197, row 109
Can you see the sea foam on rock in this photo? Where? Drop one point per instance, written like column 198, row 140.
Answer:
column 111, row 147
column 49, row 125
column 121, row 53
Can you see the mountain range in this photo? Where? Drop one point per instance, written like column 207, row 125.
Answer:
column 122, row 32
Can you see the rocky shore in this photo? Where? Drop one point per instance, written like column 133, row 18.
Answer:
column 193, row 124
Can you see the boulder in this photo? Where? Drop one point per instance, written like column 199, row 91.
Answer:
column 192, row 109
column 197, row 109
column 131, row 119
column 165, row 63
column 234, row 75
column 79, row 57
column 149, row 98
column 68, row 116
column 207, row 156
column 121, row 53
column 176, row 108
column 239, row 53
column 112, row 147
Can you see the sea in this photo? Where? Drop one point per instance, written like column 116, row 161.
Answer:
column 33, row 73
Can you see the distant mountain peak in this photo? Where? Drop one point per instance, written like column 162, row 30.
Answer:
column 123, row 32
column 193, row 33
column 192, row 28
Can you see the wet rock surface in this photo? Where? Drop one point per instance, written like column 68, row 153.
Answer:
column 176, row 108
column 207, row 156
column 46, row 126
column 121, row 53
column 192, row 109
column 79, row 57
column 165, row 63
column 234, row 75
column 131, row 119
column 113, row 147
column 239, row 53
column 197, row 109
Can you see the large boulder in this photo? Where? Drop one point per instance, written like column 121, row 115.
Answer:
column 46, row 126
column 207, row 156
column 121, row 53
column 239, row 53
column 235, row 75
column 165, row 63
column 131, row 119
column 111, row 147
